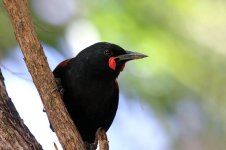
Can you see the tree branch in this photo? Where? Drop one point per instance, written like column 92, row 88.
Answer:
column 102, row 138
column 41, row 74
column 14, row 134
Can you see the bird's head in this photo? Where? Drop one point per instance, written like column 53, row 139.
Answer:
column 107, row 60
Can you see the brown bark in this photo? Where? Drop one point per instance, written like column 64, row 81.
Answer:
column 14, row 134
column 41, row 74
column 102, row 138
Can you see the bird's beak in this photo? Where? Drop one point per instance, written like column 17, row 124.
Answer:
column 130, row 56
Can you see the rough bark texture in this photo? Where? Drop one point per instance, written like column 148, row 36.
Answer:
column 14, row 134
column 41, row 74
column 103, row 140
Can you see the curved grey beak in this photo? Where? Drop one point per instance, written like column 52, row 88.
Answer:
column 130, row 56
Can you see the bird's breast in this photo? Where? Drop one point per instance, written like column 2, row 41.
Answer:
column 93, row 98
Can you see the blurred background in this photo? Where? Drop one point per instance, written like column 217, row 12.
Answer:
column 172, row 100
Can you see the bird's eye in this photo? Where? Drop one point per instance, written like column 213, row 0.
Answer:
column 107, row 52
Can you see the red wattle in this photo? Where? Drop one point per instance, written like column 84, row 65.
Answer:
column 112, row 63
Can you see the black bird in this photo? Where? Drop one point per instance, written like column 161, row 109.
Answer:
column 91, row 91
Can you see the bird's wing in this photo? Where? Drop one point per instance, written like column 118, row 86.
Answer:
column 60, row 68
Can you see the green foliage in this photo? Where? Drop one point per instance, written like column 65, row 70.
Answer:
column 6, row 33
column 185, row 60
